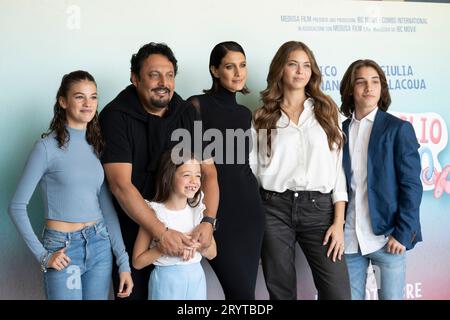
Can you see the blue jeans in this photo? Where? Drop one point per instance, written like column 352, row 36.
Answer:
column 389, row 268
column 88, row 276
column 177, row 282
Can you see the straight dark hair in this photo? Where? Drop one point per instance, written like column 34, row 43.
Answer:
column 165, row 176
column 348, row 86
column 219, row 51
column 59, row 121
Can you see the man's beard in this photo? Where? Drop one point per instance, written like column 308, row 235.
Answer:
column 159, row 103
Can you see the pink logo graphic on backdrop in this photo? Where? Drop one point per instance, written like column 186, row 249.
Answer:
column 432, row 134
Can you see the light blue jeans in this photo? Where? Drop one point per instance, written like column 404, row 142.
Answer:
column 177, row 282
column 390, row 270
column 88, row 276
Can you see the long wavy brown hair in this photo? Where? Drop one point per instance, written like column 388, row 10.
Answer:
column 325, row 110
column 348, row 86
column 59, row 121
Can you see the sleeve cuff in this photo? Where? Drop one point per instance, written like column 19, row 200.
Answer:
column 124, row 268
column 123, row 263
column 339, row 196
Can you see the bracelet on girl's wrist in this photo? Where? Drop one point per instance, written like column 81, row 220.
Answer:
column 44, row 261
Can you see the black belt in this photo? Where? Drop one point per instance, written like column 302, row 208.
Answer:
column 295, row 194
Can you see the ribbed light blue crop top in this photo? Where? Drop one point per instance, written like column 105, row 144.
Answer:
column 73, row 190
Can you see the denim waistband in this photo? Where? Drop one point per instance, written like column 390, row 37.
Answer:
column 289, row 194
column 84, row 233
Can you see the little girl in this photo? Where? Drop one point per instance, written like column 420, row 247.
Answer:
column 178, row 204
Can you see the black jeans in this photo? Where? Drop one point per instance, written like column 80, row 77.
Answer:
column 302, row 217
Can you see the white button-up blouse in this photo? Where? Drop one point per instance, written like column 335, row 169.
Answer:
column 300, row 158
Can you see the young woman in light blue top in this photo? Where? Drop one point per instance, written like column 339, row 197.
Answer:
column 81, row 224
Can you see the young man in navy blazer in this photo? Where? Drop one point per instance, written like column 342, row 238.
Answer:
column 382, row 166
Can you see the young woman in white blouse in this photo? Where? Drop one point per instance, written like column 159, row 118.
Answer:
column 297, row 158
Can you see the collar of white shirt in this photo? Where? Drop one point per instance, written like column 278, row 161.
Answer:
column 370, row 116
column 308, row 106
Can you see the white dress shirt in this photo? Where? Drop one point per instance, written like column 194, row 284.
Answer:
column 358, row 227
column 300, row 159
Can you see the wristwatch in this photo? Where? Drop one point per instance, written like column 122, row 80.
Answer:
column 211, row 220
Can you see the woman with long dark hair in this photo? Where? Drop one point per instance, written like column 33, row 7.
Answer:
column 240, row 217
column 81, row 224
column 298, row 161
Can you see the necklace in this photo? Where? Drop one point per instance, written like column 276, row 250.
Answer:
column 294, row 115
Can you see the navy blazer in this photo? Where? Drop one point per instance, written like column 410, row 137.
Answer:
column 393, row 178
